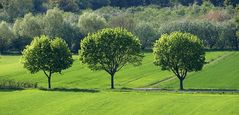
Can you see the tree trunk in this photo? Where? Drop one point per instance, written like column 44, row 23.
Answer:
column 112, row 81
column 49, row 82
column 181, row 84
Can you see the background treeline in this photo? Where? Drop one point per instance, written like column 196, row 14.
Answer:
column 213, row 21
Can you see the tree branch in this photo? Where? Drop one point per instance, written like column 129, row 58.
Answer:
column 45, row 73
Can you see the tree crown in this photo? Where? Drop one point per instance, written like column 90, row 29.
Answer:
column 47, row 55
column 110, row 50
column 179, row 51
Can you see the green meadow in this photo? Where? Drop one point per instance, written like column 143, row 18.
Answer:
column 110, row 102
column 82, row 91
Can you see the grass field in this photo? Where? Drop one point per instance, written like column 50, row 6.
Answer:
column 93, row 96
column 109, row 102
column 79, row 76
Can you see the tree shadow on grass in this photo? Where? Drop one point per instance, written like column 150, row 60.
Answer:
column 71, row 90
column 10, row 90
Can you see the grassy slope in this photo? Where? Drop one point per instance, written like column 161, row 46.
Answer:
column 108, row 102
column 114, row 102
column 79, row 76
column 222, row 74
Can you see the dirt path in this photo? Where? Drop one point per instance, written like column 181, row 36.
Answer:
column 189, row 90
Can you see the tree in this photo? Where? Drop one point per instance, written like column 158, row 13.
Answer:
column 91, row 23
column 72, row 36
column 123, row 21
column 6, row 36
column 205, row 30
column 66, row 5
column 180, row 53
column 53, row 23
column 26, row 29
column 227, row 35
column 50, row 56
column 16, row 8
column 146, row 34
column 110, row 50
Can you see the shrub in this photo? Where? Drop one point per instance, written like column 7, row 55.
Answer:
column 12, row 84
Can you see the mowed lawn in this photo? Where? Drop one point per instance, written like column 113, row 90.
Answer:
column 38, row 102
column 93, row 96
column 79, row 76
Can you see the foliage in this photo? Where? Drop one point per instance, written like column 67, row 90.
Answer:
column 218, row 16
column 227, row 36
column 16, row 8
column 90, row 23
column 123, row 21
column 53, row 23
column 71, row 23
column 6, row 36
column 146, row 33
column 66, row 5
column 12, row 84
column 26, row 29
column 206, row 31
column 110, row 50
column 179, row 52
column 50, row 56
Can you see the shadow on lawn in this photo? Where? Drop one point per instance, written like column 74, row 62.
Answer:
column 71, row 90
column 10, row 90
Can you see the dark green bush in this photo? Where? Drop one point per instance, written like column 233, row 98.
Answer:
column 12, row 84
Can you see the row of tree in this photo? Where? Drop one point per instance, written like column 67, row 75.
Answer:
column 53, row 24
column 214, row 36
column 10, row 10
column 112, row 49
column 216, row 26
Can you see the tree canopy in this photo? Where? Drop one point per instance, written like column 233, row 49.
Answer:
column 91, row 22
column 6, row 35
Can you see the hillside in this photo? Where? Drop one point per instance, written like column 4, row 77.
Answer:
column 220, row 74
column 146, row 75
column 81, row 91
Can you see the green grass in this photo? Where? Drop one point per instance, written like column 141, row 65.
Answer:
column 107, row 102
column 92, row 95
column 79, row 76
column 221, row 74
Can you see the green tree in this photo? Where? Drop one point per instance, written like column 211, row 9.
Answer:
column 50, row 56
column 227, row 35
column 26, row 29
column 16, row 8
column 53, row 23
column 227, row 2
column 91, row 23
column 6, row 36
column 179, row 52
column 123, row 21
column 146, row 33
column 66, row 5
column 205, row 30
column 110, row 50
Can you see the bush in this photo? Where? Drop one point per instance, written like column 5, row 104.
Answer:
column 12, row 84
